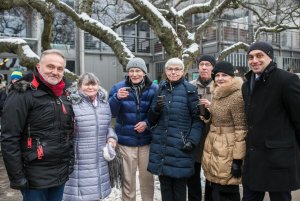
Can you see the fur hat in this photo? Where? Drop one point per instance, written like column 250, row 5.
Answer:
column 224, row 67
column 263, row 46
column 108, row 152
column 16, row 75
column 137, row 62
column 208, row 58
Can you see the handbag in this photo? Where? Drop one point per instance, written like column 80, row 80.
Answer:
column 115, row 167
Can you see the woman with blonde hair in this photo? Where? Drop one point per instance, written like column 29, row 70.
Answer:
column 224, row 147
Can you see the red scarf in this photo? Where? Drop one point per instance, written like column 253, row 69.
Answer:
column 57, row 89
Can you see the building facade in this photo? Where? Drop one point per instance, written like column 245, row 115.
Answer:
column 97, row 57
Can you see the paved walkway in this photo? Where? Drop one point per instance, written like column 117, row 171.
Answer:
column 8, row 194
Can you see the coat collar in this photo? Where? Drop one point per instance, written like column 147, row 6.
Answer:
column 265, row 75
column 221, row 92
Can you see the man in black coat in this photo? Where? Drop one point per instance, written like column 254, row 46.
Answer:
column 37, row 131
column 272, row 98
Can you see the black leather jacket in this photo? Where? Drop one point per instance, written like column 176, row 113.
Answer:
column 37, row 115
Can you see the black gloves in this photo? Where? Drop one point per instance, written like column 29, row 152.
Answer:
column 188, row 147
column 201, row 109
column 236, row 168
column 159, row 104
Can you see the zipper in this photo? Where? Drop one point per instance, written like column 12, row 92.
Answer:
column 29, row 139
column 39, row 150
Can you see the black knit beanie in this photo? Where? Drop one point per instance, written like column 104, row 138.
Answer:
column 263, row 46
column 208, row 58
column 224, row 67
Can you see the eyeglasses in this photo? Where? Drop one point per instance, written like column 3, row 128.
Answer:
column 174, row 69
column 205, row 64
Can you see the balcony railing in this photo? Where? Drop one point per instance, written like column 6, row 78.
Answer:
column 135, row 44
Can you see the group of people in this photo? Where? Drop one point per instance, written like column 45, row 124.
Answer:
column 54, row 134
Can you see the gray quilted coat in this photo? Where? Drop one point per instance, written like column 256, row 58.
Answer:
column 90, row 178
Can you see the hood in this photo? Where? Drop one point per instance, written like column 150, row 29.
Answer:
column 77, row 96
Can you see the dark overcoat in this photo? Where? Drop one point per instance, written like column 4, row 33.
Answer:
column 178, row 121
column 272, row 161
column 32, row 113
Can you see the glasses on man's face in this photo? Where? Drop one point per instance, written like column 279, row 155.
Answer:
column 205, row 64
column 169, row 69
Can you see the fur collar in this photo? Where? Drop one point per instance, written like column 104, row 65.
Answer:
column 221, row 92
column 77, row 97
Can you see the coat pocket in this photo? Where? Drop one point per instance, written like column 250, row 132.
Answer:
column 278, row 144
column 279, row 154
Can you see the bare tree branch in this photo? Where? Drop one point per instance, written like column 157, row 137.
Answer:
column 232, row 48
column 275, row 29
column 127, row 22
column 163, row 29
column 20, row 47
column 98, row 30
column 213, row 15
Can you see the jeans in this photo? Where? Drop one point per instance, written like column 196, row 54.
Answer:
column 249, row 195
column 194, row 184
column 46, row 194
column 172, row 189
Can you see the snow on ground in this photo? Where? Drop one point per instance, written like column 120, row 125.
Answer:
column 116, row 193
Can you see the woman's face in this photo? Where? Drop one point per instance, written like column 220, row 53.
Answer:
column 89, row 90
column 174, row 72
column 222, row 79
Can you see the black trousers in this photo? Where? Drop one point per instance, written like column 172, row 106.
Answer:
column 217, row 192
column 250, row 195
column 194, row 184
column 172, row 189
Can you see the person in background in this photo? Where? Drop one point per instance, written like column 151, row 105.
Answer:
column 272, row 98
column 205, row 64
column 130, row 101
column 2, row 94
column 90, row 178
column 224, row 147
column 15, row 76
column 176, row 134
column 37, row 131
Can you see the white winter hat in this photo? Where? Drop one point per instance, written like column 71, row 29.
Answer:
column 109, row 152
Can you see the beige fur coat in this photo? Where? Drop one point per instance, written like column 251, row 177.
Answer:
column 226, row 138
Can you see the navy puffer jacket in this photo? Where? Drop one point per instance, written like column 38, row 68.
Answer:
column 130, row 111
column 178, row 121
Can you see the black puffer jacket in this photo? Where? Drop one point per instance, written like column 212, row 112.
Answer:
column 47, row 120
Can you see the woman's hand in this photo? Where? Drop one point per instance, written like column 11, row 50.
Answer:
column 205, row 102
column 112, row 141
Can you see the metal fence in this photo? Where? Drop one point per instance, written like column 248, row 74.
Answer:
column 287, row 63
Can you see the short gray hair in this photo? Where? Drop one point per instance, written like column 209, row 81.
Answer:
column 174, row 61
column 53, row 51
column 90, row 78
